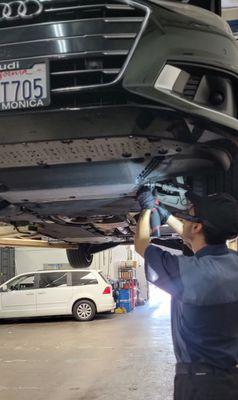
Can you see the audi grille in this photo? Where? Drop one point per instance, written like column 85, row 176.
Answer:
column 88, row 44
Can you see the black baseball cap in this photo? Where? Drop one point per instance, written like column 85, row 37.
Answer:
column 218, row 212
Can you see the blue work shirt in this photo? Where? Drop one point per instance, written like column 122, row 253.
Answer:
column 204, row 312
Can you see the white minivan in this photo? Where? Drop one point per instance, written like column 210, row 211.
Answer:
column 80, row 292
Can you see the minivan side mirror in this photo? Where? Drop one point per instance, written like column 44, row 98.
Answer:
column 4, row 288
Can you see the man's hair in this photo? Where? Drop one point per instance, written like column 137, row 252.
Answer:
column 212, row 237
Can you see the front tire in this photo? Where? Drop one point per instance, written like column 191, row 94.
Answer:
column 84, row 310
column 81, row 257
column 221, row 181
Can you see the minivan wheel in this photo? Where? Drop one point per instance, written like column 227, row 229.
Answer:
column 84, row 310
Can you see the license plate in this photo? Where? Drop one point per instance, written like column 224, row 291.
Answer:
column 24, row 85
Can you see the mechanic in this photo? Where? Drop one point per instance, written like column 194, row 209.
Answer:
column 204, row 290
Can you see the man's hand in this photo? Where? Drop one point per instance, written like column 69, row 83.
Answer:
column 146, row 198
column 151, row 206
column 147, row 202
column 162, row 210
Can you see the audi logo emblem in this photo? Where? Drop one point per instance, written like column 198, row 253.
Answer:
column 24, row 9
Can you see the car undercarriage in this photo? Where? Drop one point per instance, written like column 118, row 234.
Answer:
column 138, row 93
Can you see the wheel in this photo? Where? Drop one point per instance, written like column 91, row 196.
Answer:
column 80, row 258
column 84, row 310
column 219, row 182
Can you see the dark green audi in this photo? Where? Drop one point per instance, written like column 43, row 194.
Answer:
column 100, row 97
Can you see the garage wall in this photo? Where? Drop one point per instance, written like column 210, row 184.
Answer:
column 7, row 264
column 28, row 259
column 33, row 259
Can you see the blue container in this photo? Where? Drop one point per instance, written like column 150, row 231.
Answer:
column 124, row 299
column 125, row 304
column 124, row 294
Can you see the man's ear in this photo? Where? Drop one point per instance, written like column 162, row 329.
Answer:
column 197, row 227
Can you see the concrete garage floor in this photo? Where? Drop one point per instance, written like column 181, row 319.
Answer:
column 113, row 357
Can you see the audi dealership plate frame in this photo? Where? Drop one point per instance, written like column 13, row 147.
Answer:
column 24, row 84
column 141, row 92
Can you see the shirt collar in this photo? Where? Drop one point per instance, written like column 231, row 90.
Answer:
column 212, row 250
